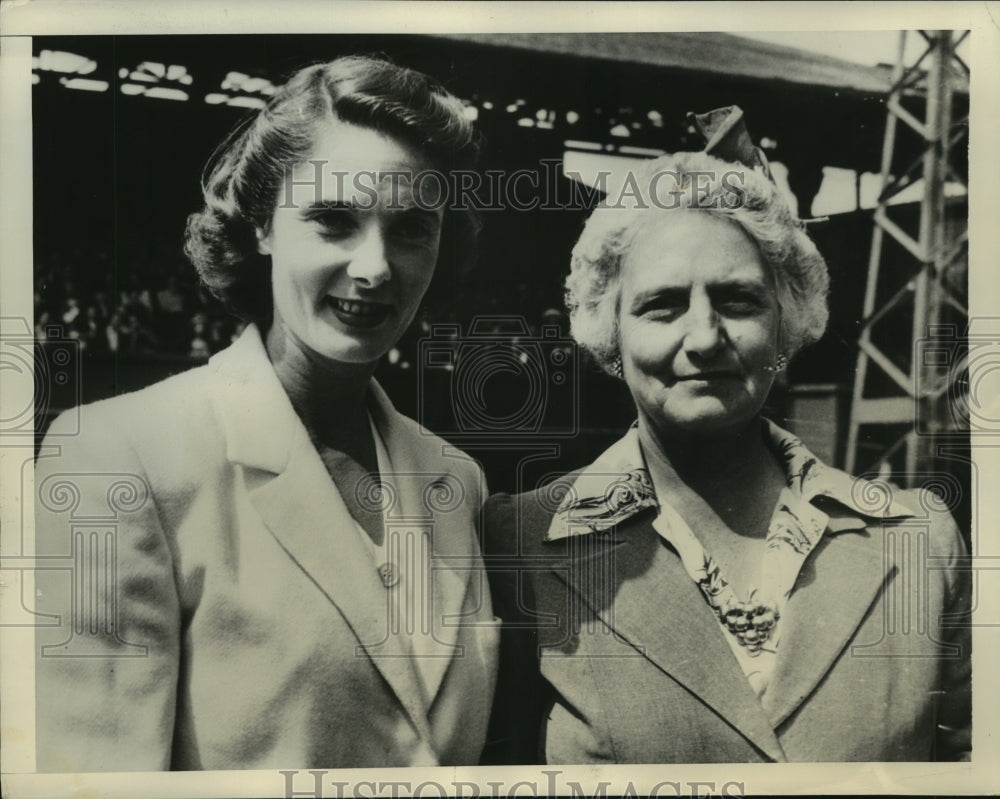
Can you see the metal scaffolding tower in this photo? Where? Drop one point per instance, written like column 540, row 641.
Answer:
column 915, row 314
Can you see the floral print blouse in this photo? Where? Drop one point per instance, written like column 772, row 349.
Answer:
column 617, row 486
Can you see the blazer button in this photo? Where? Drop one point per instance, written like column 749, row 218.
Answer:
column 389, row 574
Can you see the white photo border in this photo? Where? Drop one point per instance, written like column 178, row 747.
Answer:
column 19, row 21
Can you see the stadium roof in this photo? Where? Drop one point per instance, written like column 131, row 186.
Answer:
column 722, row 54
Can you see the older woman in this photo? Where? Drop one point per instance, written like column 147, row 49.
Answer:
column 707, row 590
column 284, row 569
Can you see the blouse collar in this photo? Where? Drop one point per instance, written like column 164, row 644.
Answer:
column 617, row 486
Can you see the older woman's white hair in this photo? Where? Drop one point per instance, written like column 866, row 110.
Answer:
column 694, row 180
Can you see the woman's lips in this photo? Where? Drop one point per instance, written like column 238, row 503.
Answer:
column 359, row 313
column 710, row 376
column 710, row 381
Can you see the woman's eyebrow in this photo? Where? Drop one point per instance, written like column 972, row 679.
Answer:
column 319, row 206
column 672, row 294
column 747, row 284
column 417, row 211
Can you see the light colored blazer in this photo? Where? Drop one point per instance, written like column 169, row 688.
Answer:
column 610, row 652
column 212, row 604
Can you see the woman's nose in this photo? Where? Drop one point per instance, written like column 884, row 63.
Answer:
column 704, row 336
column 369, row 264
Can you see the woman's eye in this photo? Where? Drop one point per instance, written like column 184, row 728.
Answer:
column 667, row 305
column 663, row 312
column 414, row 227
column 740, row 306
column 336, row 225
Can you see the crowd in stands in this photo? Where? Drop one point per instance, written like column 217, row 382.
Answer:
column 80, row 296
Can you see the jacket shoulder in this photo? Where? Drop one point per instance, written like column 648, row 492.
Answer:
column 144, row 405
column 518, row 523
column 142, row 428
column 932, row 512
column 947, row 543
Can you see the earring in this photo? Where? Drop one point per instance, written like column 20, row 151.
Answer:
column 616, row 367
column 263, row 242
column 780, row 363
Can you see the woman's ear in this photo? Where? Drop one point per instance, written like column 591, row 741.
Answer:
column 263, row 241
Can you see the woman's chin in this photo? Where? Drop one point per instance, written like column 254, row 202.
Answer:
column 340, row 349
column 347, row 344
column 709, row 422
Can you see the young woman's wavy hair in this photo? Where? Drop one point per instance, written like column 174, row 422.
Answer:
column 243, row 179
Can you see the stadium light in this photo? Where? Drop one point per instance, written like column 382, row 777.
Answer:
column 246, row 102
column 62, row 61
column 165, row 93
column 84, row 84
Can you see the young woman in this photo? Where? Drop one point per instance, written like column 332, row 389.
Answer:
column 292, row 569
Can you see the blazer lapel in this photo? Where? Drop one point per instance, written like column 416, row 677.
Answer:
column 835, row 589
column 645, row 596
column 295, row 498
column 430, row 497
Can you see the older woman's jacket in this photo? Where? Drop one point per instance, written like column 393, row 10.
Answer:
column 209, row 603
column 611, row 653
